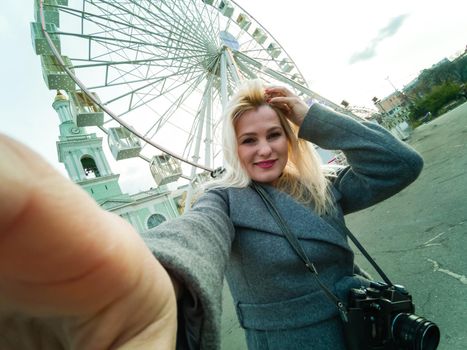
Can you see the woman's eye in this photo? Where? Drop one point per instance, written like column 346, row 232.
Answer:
column 275, row 135
column 248, row 140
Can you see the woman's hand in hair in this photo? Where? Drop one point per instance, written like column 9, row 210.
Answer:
column 293, row 106
column 71, row 274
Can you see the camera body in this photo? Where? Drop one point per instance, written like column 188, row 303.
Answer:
column 381, row 317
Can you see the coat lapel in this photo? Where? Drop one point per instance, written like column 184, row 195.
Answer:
column 249, row 213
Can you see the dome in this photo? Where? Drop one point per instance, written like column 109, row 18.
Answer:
column 60, row 97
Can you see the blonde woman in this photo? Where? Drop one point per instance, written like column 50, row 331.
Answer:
column 98, row 286
column 230, row 232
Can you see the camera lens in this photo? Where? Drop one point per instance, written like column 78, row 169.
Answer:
column 414, row 332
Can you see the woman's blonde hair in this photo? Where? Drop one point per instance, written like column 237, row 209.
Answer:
column 302, row 177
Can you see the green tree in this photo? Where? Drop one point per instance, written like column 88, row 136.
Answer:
column 439, row 96
column 440, row 74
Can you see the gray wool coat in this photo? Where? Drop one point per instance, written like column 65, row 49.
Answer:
column 230, row 233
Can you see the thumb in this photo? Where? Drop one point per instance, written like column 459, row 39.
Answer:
column 293, row 106
column 64, row 258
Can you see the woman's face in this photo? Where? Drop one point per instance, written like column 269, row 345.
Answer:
column 262, row 144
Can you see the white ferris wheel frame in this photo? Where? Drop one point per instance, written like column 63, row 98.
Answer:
column 227, row 66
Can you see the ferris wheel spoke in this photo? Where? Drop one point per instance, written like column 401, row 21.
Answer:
column 117, row 42
column 180, row 31
column 165, row 118
column 181, row 98
column 246, row 70
column 255, row 50
column 114, row 82
column 152, row 80
column 125, row 11
column 205, row 11
column 152, row 24
column 125, row 73
column 165, row 92
column 104, row 18
column 142, row 62
column 147, row 101
column 200, row 109
column 148, row 64
column 202, row 120
column 252, row 65
column 179, row 25
column 263, row 60
column 282, row 78
column 199, row 24
column 108, row 24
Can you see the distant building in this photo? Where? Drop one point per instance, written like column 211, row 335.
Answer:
column 87, row 166
column 393, row 106
column 394, row 113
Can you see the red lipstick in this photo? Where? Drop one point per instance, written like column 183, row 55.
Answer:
column 265, row 164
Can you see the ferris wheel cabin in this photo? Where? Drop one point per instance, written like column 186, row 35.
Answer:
column 39, row 42
column 123, row 143
column 85, row 112
column 51, row 14
column 55, row 76
column 243, row 21
column 165, row 169
column 274, row 50
column 298, row 78
column 259, row 35
column 286, row 65
column 226, row 8
column 52, row 2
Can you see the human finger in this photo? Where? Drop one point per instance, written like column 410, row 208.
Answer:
column 296, row 108
column 278, row 91
column 63, row 258
column 55, row 222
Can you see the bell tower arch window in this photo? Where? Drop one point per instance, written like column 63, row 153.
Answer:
column 90, row 167
column 155, row 220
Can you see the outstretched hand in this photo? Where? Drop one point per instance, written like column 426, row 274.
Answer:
column 72, row 275
column 293, row 106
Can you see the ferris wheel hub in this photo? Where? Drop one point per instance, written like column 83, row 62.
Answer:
column 229, row 40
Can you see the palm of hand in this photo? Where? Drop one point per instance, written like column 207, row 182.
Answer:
column 71, row 275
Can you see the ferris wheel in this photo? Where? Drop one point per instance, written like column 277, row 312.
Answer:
column 155, row 74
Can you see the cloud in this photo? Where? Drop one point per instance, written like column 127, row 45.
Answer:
column 370, row 51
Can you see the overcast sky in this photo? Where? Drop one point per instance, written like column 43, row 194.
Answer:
column 348, row 50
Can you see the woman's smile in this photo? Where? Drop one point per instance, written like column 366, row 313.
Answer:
column 266, row 164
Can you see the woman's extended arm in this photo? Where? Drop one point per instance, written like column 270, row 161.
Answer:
column 194, row 248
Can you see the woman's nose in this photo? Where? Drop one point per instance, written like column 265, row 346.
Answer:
column 264, row 148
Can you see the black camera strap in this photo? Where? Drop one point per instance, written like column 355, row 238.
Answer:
column 298, row 248
column 296, row 245
column 365, row 253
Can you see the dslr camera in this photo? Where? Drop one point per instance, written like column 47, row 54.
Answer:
column 381, row 317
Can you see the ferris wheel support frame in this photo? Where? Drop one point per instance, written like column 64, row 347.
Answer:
column 226, row 65
column 83, row 88
column 236, row 74
column 223, row 76
column 206, row 114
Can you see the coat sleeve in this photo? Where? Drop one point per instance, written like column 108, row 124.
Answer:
column 194, row 248
column 379, row 164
